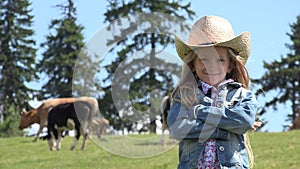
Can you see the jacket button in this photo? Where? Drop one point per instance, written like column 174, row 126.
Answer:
column 221, row 148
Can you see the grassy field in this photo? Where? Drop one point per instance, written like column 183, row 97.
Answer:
column 272, row 151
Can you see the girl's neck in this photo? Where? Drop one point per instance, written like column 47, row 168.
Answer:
column 225, row 81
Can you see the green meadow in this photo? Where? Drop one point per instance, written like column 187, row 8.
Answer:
column 271, row 150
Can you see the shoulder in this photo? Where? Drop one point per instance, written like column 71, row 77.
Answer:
column 235, row 90
column 238, row 86
column 234, row 85
column 175, row 97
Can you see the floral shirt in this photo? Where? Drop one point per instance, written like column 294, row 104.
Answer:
column 209, row 159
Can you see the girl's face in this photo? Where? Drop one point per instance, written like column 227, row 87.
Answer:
column 212, row 64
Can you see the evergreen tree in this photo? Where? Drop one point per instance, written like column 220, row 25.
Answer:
column 283, row 75
column 147, row 75
column 17, row 58
column 85, row 82
column 62, row 48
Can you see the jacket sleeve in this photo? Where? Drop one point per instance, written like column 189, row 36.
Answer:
column 237, row 118
column 183, row 124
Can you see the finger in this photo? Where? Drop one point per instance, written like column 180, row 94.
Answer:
column 257, row 124
column 253, row 128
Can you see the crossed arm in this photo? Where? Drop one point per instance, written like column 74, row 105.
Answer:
column 211, row 122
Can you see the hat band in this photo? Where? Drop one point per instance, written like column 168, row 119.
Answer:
column 208, row 43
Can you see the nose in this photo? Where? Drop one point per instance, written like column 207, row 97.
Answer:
column 212, row 64
column 211, row 67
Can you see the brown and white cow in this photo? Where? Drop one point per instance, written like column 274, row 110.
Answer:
column 40, row 115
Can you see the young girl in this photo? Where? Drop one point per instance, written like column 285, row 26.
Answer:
column 212, row 107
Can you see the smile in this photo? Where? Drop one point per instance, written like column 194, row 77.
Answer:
column 211, row 74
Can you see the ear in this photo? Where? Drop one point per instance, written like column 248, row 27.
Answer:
column 26, row 113
column 23, row 111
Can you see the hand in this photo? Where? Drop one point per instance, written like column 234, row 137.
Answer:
column 256, row 125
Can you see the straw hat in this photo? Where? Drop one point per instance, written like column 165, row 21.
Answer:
column 213, row 31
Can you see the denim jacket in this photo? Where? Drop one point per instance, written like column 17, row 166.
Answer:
column 226, row 122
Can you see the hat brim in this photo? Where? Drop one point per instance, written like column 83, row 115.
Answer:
column 240, row 44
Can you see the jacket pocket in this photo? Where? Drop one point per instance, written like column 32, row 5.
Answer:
column 191, row 151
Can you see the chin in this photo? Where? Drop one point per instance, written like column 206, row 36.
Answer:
column 214, row 83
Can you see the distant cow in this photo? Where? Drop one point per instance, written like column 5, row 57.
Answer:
column 296, row 123
column 68, row 116
column 99, row 126
column 40, row 114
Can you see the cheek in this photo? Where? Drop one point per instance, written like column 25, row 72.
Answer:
column 197, row 70
column 198, row 65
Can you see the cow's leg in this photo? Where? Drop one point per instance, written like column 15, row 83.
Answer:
column 38, row 133
column 58, row 140
column 52, row 144
column 51, row 137
column 76, row 138
column 85, row 132
column 74, row 143
column 84, row 140
column 56, row 137
column 85, row 135
column 100, row 129
column 51, row 141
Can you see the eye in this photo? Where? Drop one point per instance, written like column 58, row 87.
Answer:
column 222, row 59
column 203, row 59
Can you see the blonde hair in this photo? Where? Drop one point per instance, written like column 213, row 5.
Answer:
column 249, row 150
column 187, row 87
column 239, row 72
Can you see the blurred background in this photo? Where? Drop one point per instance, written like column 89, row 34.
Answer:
column 43, row 43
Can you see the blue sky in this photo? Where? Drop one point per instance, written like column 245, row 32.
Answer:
column 267, row 21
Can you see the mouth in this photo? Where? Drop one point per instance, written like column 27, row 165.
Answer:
column 212, row 74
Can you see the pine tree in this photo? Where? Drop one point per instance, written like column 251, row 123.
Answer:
column 17, row 58
column 283, row 75
column 63, row 46
column 85, row 82
column 145, row 79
